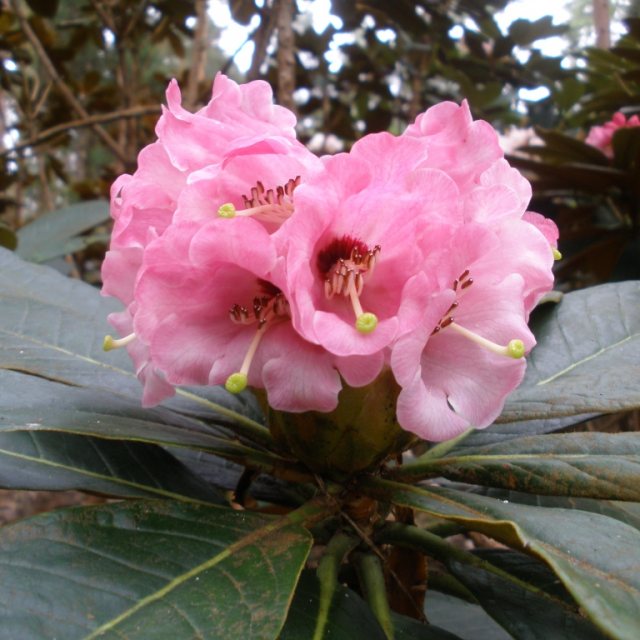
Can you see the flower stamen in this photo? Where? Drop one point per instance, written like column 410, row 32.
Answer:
column 110, row 342
column 265, row 308
column 344, row 264
column 265, row 205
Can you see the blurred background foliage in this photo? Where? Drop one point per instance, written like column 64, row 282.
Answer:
column 82, row 83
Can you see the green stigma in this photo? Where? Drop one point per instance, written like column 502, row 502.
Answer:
column 236, row 382
column 227, row 211
column 366, row 322
column 108, row 343
column 556, row 254
column 515, row 349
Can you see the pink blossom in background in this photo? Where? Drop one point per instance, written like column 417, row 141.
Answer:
column 244, row 260
column 601, row 137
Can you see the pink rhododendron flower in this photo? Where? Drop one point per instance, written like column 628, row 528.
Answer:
column 601, row 137
column 213, row 307
column 458, row 366
column 354, row 267
column 458, row 145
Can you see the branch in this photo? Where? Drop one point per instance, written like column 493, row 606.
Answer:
column 60, row 83
column 198, row 54
column 286, row 56
column 601, row 20
column 89, row 121
column 261, row 41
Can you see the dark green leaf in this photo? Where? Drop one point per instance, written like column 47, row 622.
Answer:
column 349, row 617
column 527, row 615
column 35, row 404
column 587, row 359
column 508, row 430
column 597, row 558
column 57, row 462
column 409, row 629
column 45, row 8
column 54, row 233
column 627, row 512
column 525, row 32
column 148, row 571
column 468, row 621
column 8, row 238
column 591, row 465
column 626, row 148
column 570, row 148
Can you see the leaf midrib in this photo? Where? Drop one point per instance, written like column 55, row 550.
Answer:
column 92, row 474
column 598, row 353
column 192, row 573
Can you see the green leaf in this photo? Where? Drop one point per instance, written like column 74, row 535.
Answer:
column 591, row 465
column 626, row 148
column 525, row 32
column 571, row 149
column 587, row 359
column 468, row 621
column 519, row 592
column 53, row 327
column 525, row 614
column 45, row 8
column 597, row 558
column 502, row 432
column 8, row 238
column 349, row 617
column 34, row 404
column 58, row 462
column 56, row 233
column 627, row 512
column 149, row 571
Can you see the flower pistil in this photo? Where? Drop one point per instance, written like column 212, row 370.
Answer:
column 265, row 308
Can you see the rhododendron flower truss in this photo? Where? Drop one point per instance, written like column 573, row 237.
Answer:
column 214, row 310
column 244, row 260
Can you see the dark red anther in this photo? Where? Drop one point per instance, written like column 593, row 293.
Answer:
column 467, row 283
column 446, row 322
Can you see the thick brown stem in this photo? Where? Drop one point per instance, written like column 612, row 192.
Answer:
column 261, row 41
column 286, row 57
column 198, row 54
column 601, row 22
